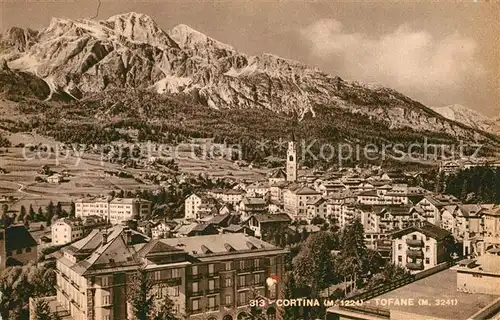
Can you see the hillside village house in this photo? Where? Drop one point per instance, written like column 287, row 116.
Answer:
column 491, row 220
column 295, row 200
column 328, row 188
column 276, row 191
column 316, row 208
column 231, row 196
column 64, row 231
column 17, row 246
column 114, row 210
column 432, row 204
column 464, row 221
column 198, row 206
column 386, row 218
column 55, row 178
column 421, row 247
column 265, row 224
column 206, row 276
column 252, row 205
column 258, row 189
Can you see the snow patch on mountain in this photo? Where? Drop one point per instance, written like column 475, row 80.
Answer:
column 464, row 115
column 171, row 84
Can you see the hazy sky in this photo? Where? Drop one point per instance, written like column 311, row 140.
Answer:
column 438, row 53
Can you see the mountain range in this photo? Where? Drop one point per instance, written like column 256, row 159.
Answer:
column 77, row 59
column 469, row 117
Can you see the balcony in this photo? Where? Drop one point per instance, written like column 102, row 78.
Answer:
column 415, row 253
column 243, row 285
column 194, row 311
column 195, row 276
column 172, row 281
column 414, row 243
column 415, row 265
column 245, row 270
column 213, row 308
column 195, row 293
column 211, row 274
column 212, row 291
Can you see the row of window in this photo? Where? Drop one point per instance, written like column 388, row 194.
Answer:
column 18, row 251
column 258, row 278
column 427, row 260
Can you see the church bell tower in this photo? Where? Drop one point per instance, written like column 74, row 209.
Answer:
column 291, row 161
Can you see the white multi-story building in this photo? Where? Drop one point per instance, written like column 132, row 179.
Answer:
column 296, row 199
column 64, row 231
column 421, row 247
column 432, row 205
column 231, row 196
column 192, row 206
column 116, row 211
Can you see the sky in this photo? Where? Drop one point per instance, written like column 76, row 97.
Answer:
column 438, row 53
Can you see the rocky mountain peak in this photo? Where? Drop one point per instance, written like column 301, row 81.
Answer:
column 187, row 37
column 81, row 57
column 464, row 115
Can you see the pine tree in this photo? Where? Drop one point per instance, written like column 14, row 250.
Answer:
column 22, row 213
column 166, row 309
column 313, row 266
column 141, row 297
column 289, row 290
column 42, row 310
column 59, row 210
column 32, row 213
column 464, row 192
column 40, row 215
column 72, row 211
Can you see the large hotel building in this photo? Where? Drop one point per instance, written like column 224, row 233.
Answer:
column 208, row 277
column 114, row 210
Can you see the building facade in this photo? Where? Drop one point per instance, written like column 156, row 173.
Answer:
column 421, row 247
column 114, row 210
column 295, row 200
column 212, row 276
column 17, row 246
column 66, row 230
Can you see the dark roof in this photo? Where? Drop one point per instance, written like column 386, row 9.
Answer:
column 278, row 217
column 372, row 193
column 426, row 228
column 234, row 228
column 18, row 237
column 219, row 218
column 279, row 174
column 156, row 247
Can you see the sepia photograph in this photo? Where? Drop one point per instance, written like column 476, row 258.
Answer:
column 249, row 160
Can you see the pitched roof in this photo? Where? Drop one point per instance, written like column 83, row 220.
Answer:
column 317, row 201
column 217, row 244
column 426, row 228
column 234, row 228
column 305, row 190
column 277, row 217
column 492, row 210
column 18, row 237
column 254, row 201
column 278, row 174
column 470, row 210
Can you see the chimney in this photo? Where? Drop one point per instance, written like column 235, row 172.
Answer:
column 104, row 237
column 128, row 236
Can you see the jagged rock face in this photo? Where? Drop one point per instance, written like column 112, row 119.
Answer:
column 20, row 39
column 131, row 51
column 467, row 116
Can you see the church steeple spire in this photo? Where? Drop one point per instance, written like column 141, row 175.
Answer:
column 291, row 160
